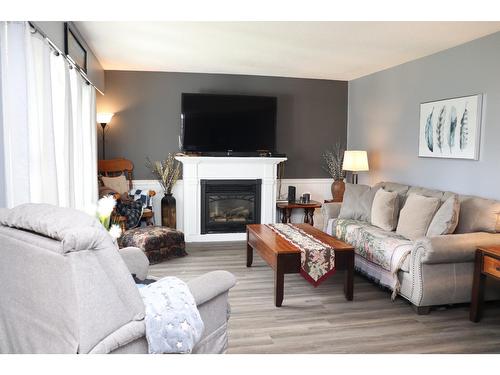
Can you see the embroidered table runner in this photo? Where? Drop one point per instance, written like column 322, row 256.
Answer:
column 317, row 258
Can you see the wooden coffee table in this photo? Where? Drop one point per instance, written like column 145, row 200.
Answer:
column 283, row 257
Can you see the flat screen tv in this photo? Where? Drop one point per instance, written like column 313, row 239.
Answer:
column 228, row 123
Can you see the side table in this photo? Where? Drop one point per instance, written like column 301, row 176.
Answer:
column 487, row 264
column 286, row 210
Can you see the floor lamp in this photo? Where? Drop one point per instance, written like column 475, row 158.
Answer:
column 104, row 119
column 355, row 161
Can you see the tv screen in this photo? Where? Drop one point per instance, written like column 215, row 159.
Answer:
column 221, row 123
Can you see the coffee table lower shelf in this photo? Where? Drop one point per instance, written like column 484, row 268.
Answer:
column 284, row 258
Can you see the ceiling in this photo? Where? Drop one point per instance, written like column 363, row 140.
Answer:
column 322, row 50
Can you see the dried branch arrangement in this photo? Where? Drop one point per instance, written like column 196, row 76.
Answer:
column 333, row 160
column 166, row 171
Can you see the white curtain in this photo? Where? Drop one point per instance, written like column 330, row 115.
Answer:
column 48, row 124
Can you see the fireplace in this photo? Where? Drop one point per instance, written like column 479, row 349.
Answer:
column 227, row 206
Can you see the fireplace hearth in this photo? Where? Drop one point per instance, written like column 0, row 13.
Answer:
column 227, row 206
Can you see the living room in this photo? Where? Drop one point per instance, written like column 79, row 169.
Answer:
column 250, row 187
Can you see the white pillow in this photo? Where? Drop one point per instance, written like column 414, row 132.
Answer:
column 118, row 183
column 416, row 215
column 385, row 209
column 446, row 218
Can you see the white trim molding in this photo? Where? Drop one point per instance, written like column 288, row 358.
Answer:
column 196, row 168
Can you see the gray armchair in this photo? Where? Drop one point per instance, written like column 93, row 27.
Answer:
column 66, row 289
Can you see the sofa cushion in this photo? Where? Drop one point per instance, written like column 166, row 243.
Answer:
column 385, row 210
column 357, row 203
column 401, row 189
column 478, row 215
column 383, row 248
column 76, row 229
column 416, row 216
column 425, row 192
column 446, row 218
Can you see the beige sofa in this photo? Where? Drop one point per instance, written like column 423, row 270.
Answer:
column 427, row 271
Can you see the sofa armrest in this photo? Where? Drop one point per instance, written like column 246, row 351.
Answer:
column 330, row 211
column 454, row 248
column 210, row 285
column 137, row 262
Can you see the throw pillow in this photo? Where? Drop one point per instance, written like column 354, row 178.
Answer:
column 416, row 215
column 357, row 202
column 446, row 218
column 478, row 215
column 118, row 183
column 385, row 209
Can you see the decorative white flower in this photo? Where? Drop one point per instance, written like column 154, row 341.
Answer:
column 105, row 206
column 115, row 231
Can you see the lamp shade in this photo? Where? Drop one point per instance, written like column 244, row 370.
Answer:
column 355, row 161
column 104, row 118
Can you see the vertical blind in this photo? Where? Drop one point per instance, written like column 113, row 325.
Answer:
column 48, row 124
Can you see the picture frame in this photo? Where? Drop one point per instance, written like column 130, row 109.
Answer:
column 73, row 48
column 451, row 128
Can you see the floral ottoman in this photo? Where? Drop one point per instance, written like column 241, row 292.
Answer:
column 158, row 243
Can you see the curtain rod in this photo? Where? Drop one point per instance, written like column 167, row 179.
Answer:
column 59, row 52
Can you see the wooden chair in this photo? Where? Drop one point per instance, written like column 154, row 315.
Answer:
column 119, row 166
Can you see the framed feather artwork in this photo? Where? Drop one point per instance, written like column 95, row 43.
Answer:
column 451, row 128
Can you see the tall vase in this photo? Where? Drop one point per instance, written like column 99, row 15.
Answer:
column 168, row 211
column 338, row 188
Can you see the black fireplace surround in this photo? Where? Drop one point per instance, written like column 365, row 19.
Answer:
column 227, row 206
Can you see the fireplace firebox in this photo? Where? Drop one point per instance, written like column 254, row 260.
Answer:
column 227, row 206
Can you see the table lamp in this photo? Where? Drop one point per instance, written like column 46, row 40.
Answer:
column 355, row 161
column 104, row 119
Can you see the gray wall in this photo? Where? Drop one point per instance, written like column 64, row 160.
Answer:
column 55, row 32
column 384, row 118
column 312, row 114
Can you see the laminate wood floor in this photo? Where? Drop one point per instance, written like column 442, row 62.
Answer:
column 320, row 320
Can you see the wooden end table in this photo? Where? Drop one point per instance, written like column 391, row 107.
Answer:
column 487, row 263
column 283, row 257
column 286, row 210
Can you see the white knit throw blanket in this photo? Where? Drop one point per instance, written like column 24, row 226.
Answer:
column 173, row 323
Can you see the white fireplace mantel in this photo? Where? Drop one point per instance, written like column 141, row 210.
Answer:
column 196, row 168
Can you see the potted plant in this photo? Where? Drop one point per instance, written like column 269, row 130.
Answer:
column 167, row 173
column 333, row 160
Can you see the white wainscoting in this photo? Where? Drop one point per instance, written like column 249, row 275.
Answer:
column 319, row 188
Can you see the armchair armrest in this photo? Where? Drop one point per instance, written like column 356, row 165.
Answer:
column 210, row 285
column 329, row 211
column 454, row 248
column 137, row 262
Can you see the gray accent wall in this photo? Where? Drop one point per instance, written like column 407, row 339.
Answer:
column 384, row 118
column 312, row 114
